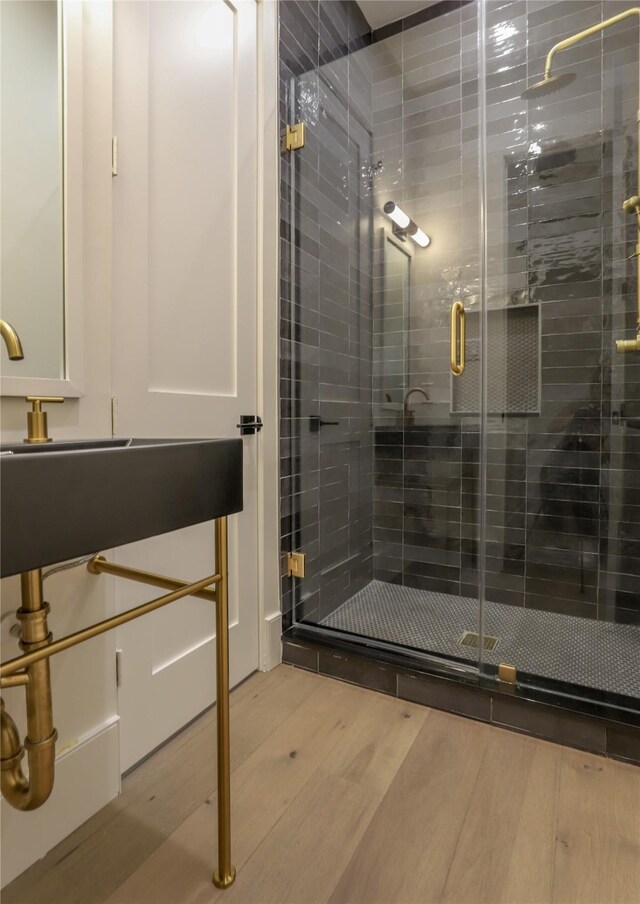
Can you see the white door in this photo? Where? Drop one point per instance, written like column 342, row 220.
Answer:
column 184, row 324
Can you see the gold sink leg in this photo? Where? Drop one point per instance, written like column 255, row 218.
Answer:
column 225, row 874
column 32, row 670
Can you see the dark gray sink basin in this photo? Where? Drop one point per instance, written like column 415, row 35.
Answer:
column 62, row 500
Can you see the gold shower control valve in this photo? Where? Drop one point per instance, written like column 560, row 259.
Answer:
column 632, row 205
column 37, row 430
column 628, row 345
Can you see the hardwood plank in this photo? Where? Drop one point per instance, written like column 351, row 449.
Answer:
column 405, row 853
column 342, row 796
column 346, row 795
column 319, row 832
column 357, row 736
column 88, row 865
column 373, row 750
column 597, row 851
column 528, row 876
column 272, row 776
column 484, row 855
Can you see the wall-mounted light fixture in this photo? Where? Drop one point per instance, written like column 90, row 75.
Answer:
column 404, row 226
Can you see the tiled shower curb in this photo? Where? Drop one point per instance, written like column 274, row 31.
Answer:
column 611, row 733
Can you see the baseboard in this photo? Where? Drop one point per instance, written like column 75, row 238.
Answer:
column 272, row 655
column 87, row 778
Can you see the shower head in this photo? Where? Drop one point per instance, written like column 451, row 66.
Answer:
column 548, row 85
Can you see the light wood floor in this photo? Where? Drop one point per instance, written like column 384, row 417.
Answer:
column 344, row 795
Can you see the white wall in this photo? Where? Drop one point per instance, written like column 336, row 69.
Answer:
column 31, row 285
column 84, row 689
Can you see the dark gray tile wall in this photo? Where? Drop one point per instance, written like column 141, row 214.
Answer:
column 563, row 521
column 425, row 82
column 326, row 272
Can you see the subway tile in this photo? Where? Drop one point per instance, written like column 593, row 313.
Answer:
column 304, row 657
column 623, row 742
column 551, row 723
column 441, row 694
column 357, row 670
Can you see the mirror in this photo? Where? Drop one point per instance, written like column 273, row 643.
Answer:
column 392, row 316
column 31, row 186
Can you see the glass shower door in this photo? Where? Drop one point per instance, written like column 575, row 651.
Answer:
column 562, row 528
column 385, row 440
column 330, row 344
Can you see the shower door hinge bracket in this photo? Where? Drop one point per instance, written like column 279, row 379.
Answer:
column 507, row 673
column 295, row 564
column 294, row 137
column 114, row 156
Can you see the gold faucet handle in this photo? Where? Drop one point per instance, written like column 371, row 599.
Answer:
column 37, row 400
column 37, row 431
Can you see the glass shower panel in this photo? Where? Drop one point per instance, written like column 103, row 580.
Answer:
column 386, row 441
column 331, row 350
column 619, row 535
column 562, row 526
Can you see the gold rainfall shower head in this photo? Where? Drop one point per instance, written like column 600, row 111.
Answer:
column 548, row 85
column 552, row 83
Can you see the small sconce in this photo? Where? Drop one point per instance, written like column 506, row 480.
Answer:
column 403, row 225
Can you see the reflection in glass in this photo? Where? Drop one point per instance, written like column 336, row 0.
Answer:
column 31, row 189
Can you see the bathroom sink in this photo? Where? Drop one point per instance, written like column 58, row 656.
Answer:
column 68, row 499
column 77, row 446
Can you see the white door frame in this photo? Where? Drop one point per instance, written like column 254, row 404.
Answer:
column 268, row 490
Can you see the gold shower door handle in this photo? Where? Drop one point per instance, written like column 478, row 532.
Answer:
column 458, row 338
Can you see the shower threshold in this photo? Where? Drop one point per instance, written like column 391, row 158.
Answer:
column 578, row 651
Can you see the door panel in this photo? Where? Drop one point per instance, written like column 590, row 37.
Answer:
column 185, row 212
column 193, row 131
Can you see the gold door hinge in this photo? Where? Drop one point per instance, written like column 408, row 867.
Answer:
column 114, row 156
column 114, row 415
column 294, row 137
column 295, row 564
column 118, row 668
column 507, row 673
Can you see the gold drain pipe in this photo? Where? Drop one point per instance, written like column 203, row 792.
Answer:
column 31, row 670
column 100, row 565
column 40, row 743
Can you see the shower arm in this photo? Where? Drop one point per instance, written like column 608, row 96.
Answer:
column 587, row 33
column 632, row 205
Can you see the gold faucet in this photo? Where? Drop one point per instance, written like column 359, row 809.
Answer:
column 37, row 430
column 12, row 341
column 407, row 413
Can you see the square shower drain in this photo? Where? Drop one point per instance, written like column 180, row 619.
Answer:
column 472, row 639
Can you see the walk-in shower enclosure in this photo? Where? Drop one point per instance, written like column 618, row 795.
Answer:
column 489, row 519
